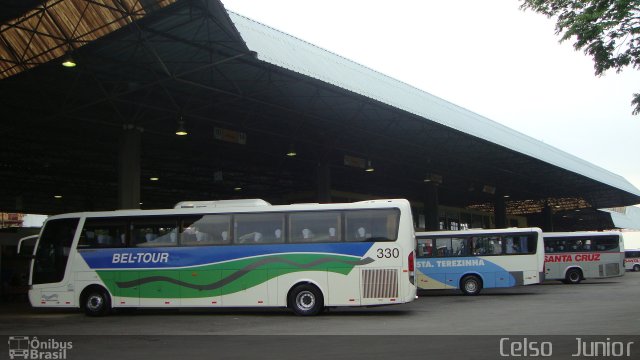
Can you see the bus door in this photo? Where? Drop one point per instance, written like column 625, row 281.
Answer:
column 50, row 264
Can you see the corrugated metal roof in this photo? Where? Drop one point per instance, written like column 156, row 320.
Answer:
column 286, row 51
column 57, row 27
column 630, row 219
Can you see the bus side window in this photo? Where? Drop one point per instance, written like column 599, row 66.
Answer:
column 425, row 248
column 480, row 246
column 372, row 225
column 460, row 246
column 154, row 231
column 443, row 247
column 608, row 244
column 572, row 245
column 102, row 233
column 306, row 227
column 562, row 246
column 264, row 228
column 205, row 230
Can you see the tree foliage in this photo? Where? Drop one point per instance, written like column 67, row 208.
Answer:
column 607, row 30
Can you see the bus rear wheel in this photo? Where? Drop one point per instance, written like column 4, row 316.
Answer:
column 636, row 267
column 306, row 300
column 96, row 302
column 471, row 285
column 573, row 276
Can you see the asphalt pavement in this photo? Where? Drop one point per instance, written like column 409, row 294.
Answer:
column 603, row 309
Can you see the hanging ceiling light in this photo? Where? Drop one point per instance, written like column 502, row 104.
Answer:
column 292, row 151
column 68, row 61
column 437, row 179
column 369, row 167
column 182, row 131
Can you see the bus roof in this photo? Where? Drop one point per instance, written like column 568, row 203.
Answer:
column 582, row 233
column 478, row 231
column 220, row 203
column 232, row 208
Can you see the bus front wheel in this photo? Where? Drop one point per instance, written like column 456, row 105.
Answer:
column 306, row 300
column 573, row 276
column 96, row 302
column 471, row 285
column 636, row 267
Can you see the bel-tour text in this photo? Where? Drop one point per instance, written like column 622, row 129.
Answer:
column 137, row 258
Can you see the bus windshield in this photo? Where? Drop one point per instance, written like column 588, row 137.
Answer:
column 53, row 251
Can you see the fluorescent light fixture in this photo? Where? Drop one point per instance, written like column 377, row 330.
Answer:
column 181, row 129
column 436, row 178
column 68, row 61
column 292, row 151
column 369, row 167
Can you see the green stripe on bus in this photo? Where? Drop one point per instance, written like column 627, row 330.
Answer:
column 219, row 279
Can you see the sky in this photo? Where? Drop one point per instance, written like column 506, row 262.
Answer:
column 489, row 57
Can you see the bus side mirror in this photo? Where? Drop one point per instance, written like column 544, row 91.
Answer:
column 21, row 247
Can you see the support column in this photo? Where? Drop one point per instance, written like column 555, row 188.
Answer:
column 500, row 210
column 431, row 208
column 324, row 181
column 547, row 218
column 2, row 294
column 129, row 168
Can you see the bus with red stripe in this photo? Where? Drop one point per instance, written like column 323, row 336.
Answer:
column 632, row 260
column 575, row 256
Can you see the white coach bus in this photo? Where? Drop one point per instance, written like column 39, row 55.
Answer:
column 228, row 253
column 575, row 256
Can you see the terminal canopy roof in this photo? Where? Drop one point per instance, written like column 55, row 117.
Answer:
column 247, row 94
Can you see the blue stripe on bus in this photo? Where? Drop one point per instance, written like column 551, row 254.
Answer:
column 449, row 271
column 164, row 257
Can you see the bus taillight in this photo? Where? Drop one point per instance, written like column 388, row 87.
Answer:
column 412, row 261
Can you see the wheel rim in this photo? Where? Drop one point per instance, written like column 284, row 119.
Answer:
column 305, row 300
column 470, row 286
column 636, row 268
column 574, row 276
column 95, row 302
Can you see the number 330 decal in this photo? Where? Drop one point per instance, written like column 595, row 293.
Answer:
column 388, row 253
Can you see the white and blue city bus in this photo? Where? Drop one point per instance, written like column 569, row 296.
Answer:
column 471, row 260
column 228, row 253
